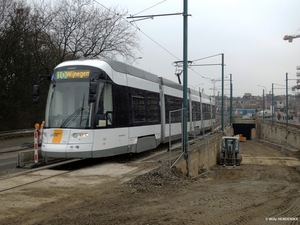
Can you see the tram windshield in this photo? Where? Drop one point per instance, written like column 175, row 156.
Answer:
column 67, row 105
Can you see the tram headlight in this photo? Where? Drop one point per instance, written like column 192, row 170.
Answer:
column 80, row 135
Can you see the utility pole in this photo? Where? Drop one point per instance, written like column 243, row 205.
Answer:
column 287, row 101
column 230, row 100
column 222, row 108
column 185, row 80
column 263, row 104
column 273, row 106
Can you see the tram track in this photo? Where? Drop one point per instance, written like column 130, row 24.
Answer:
column 32, row 182
column 67, row 167
column 101, row 194
column 17, row 171
column 63, row 168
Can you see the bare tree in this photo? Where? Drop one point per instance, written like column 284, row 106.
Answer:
column 45, row 49
column 6, row 8
column 17, row 66
column 35, row 37
column 81, row 29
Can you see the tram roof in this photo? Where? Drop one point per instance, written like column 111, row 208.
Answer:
column 116, row 66
column 128, row 69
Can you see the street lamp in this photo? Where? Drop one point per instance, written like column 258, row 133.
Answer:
column 263, row 101
column 266, row 95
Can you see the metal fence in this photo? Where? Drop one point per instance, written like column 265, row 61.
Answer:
column 171, row 115
column 201, row 123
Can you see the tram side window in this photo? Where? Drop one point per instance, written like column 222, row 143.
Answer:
column 152, row 107
column 173, row 103
column 139, row 106
column 104, row 114
column 121, row 103
column 206, row 111
column 198, row 116
column 213, row 112
column 196, row 110
column 145, row 106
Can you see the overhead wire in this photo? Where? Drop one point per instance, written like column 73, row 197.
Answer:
column 155, row 42
column 102, row 5
column 297, row 32
column 149, row 8
column 207, row 57
column 139, row 29
column 206, row 78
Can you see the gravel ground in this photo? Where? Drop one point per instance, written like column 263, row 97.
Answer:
column 263, row 189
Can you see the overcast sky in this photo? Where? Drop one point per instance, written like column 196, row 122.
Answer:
column 248, row 32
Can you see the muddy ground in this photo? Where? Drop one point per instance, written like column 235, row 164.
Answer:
column 263, row 189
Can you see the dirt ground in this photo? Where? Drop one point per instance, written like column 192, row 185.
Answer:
column 264, row 189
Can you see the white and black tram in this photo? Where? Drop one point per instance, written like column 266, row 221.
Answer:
column 99, row 108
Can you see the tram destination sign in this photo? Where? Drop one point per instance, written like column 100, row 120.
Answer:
column 72, row 74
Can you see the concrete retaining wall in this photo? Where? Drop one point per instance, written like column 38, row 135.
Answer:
column 203, row 153
column 279, row 134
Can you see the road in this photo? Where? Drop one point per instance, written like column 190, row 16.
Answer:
column 142, row 190
column 9, row 150
column 7, row 161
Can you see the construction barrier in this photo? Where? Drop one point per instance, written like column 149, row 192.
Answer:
column 36, row 143
column 41, row 133
column 25, row 159
column 32, row 158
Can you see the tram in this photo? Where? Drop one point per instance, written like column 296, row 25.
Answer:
column 99, row 108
